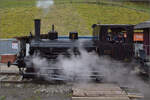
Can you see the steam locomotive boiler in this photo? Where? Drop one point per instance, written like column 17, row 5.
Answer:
column 113, row 40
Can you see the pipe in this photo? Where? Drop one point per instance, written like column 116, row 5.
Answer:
column 53, row 28
column 37, row 23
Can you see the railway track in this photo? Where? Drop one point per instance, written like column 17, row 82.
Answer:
column 12, row 77
column 96, row 91
column 14, row 82
column 16, row 78
column 9, row 73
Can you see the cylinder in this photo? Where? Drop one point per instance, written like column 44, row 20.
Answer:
column 37, row 23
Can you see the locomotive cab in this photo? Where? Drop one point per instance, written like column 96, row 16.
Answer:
column 114, row 40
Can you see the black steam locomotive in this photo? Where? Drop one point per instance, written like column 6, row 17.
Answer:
column 113, row 40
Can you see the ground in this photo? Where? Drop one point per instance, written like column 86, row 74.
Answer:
column 63, row 91
column 34, row 92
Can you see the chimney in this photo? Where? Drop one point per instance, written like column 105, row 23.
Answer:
column 53, row 28
column 37, row 23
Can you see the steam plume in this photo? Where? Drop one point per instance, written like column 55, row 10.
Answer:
column 45, row 5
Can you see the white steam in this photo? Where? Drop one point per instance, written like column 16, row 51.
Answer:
column 78, row 66
column 45, row 5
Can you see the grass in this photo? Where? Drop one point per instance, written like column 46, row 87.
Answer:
column 2, row 97
column 142, row 6
column 16, row 16
column 110, row 15
column 138, row 5
column 17, row 21
column 66, row 19
column 16, row 3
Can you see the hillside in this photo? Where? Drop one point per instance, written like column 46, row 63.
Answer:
column 16, row 17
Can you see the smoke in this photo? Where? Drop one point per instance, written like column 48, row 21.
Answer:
column 82, row 66
column 45, row 5
column 78, row 66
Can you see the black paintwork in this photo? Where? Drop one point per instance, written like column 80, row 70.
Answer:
column 49, row 46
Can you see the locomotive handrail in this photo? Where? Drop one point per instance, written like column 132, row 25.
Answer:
column 80, row 37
